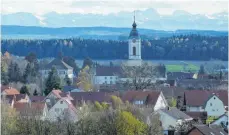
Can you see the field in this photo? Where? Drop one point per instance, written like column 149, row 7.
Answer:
column 178, row 67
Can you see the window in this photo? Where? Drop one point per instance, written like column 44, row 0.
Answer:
column 214, row 97
column 105, row 82
column 110, row 82
column 210, row 104
column 134, row 50
column 111, row 77
column 61, row 102
column 105, row 77
column 56, row 109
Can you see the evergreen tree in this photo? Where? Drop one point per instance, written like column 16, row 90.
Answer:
column 87, row 62
column 201, row 71
column 67, row 80
column 53, row 81
column 35, row 92
column 4, row 76
column 27, row 73
column 17, row 73
column 11, row 72
column 24, row 90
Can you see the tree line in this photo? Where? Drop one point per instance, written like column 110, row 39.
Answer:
column 182, row 47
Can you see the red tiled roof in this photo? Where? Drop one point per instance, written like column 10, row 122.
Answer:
column 141, row 95
column 29, row 108
column 200, row 97
column 9, row 90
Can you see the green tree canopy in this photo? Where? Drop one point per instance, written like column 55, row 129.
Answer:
column 24, row 90
column 53, row 81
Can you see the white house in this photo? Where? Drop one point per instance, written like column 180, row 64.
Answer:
column 62, row 68
column 107, row 75
column 214, row 106
column 62, row 110
column 172, row 117
column 214, row 103
column 154, row 99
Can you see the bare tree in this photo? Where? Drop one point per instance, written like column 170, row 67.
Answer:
column 138, row 77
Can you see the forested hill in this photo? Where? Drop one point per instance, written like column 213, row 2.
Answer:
column 183, row 47
column 107, row 33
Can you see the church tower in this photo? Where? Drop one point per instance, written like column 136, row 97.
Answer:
column 134, row 43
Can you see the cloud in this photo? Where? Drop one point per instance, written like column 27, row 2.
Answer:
column 111, row 6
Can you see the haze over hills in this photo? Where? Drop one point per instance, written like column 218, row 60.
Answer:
column 148, row 19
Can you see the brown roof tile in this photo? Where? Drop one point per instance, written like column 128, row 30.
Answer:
column 107, row 70
column 150, row 96
column 200, row 97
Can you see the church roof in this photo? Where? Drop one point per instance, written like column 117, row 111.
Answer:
column 134, row 31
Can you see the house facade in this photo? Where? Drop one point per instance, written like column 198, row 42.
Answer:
column 215, row 103
column 172, row 117
column 106, row 75
column 62, row 68
column 63, row 109
column 154, row 99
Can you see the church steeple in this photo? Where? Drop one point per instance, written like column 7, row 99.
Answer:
column 134, row 23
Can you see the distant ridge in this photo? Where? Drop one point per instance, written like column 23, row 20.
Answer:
column 14, row 31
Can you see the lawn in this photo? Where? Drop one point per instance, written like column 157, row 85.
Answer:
column 177, row 68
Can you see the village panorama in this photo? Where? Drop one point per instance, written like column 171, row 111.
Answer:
column 127, row 73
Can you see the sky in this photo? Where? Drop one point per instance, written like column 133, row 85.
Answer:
column 165, row 7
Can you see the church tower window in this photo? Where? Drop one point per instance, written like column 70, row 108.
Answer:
column 134, row 50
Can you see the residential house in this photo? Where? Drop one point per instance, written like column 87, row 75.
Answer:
column 221, row 121
column 71, row 89
column 12, row 99
column 63, row 109
column 37, row 98
column 7, row 90
column 199, row 117
column 179, row 75
column 62, row 68
column 203, row 84
column 36, row 110
column 107, row 74
column 53, row 97
column 172, row 117
column 205, row 130
column 154, row 99
column 91, row 97
column 215, row 103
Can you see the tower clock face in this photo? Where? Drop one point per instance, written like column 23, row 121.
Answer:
column 134, row 40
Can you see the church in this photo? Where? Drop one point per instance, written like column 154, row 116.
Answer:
column 109, row 75
column 134, row 48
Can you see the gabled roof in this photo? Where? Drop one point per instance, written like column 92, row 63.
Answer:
column 30, row 109
column 37, row 98
column 58, row 64
column 150, row 97
column 108, row 70
column 197, row 115
column 205, row 130
column 91, row 96
column 16, row 97
column 200, row 97
column 9, row 90
column 224, row 115
column 176, row 114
